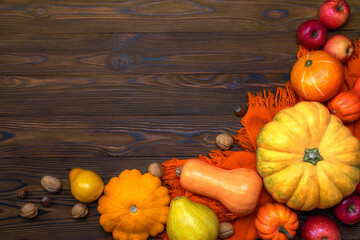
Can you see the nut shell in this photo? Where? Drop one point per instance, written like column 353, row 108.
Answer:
column 224, row 141
column 22, row 194
column 156, row 169
column 51, row 184
column 226, row 230
column 29, row 210
column 46, row 201
column 79, row 211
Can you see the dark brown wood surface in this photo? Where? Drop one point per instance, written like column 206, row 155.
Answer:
column 113, row 85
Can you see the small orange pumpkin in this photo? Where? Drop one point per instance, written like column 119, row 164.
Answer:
column 276, row 221
column 317, row 76
column 346, row 105
column 134, row 206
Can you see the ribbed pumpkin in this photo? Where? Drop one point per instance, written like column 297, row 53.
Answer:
column 346, row 105
column 308, row 159
column 317, row 76
column 275, row 221
column 134, row 206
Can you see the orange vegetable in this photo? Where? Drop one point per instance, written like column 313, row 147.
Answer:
column 317, row 76
column 346, row 105
column 238, row 189
column 276, row 221
column 134, row 206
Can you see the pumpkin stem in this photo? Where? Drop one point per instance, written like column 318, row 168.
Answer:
column 133, row 209
column 308, row 63
column 312, row 156
column 283, row 230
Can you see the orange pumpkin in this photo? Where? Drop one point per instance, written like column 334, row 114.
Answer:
column 134, row 206
column 317, row 76
column 276, row 221
column 237, row 189
column 346, row 105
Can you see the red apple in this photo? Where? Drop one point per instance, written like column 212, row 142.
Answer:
column 357, row 190
column 318, row 227
column 312, row 34
column 348, row 210
column 334, row 13
column 339, row 46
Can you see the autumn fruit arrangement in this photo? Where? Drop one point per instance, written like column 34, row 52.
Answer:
column 306, row 159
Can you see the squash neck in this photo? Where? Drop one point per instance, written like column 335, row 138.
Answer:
column 312, row 156
column 283, row 230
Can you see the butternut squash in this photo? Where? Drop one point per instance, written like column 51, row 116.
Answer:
column 237, row 189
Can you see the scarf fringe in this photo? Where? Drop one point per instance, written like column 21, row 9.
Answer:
column 284, row 97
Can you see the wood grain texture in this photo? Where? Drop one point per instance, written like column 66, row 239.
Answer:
column 113, row 85
column 173, row 136
column 149, row 53
column 160, row 16
column 130, row 95
column 139, row 53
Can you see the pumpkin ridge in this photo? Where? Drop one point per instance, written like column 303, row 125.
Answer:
column 302, row 84
column 297, row 185
column 345, row 174
column 314, row 82
column 326, row 203
column 327, row 123
column 306, row 123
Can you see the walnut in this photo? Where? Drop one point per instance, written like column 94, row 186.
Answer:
column 226, row 230
column 51, row 184
column 80, row 210
column 224, row 141
column 29, row 210
column 156, row 169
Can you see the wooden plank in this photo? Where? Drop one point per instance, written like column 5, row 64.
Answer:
column 132, row 95
column 153, row 53
column 160, row 16
column 17, row 173
column 148, row 53
column 79, row 136
column 153, row 43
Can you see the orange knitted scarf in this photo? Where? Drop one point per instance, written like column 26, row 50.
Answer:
column 262, row 107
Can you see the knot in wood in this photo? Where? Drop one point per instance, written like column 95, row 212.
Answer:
column 121, row 61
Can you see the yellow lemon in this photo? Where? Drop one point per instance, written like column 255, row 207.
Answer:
column 86, row 185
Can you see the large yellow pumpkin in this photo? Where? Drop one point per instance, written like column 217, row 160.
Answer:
column 308, row 159
column 134, row 206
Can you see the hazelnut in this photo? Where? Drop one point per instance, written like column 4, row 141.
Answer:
column 156, row 169
column 51, row 184
column 178, row 171
column 22, row 194
column 226, row 230
column 46, row 201
column 80, row 210
column 29, row 210
column 240, row 111
column 224, row 141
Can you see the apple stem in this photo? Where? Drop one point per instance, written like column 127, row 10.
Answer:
column 340, row 6
column 283, row 230
column 352, row 208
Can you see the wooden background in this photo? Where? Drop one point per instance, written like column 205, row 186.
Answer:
column 110, row 85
